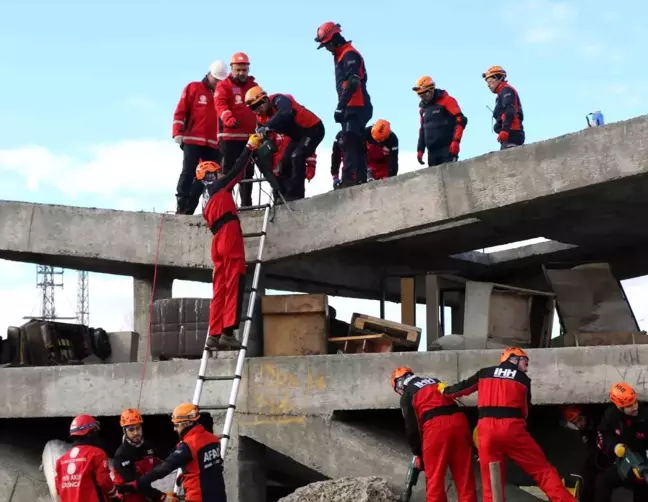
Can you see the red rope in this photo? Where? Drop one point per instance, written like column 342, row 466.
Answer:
column 150, row 324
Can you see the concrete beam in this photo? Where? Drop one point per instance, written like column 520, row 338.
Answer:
column 310, row 385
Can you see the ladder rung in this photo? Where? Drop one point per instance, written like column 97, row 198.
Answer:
column 220, row 407
column 245, row 318
column 253, row 180
column 254, row 234
column 218, row 378
column 250, row 290
column 253, row 208
column 256, row 261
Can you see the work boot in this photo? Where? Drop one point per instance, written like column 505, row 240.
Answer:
column 229, row 342
column 212, row 342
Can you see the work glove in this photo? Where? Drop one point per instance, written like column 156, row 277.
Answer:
column 454, row 148
column 441, row 387
column 503, row 137
column 336, row 182
column 230, row 120
column 254, row 142
column 419, row 157
column 169, row 497
column 310, row 172
column 620, row 450
column 418, row 463
column 262, row 131
column 338, row 116
column 178, row 139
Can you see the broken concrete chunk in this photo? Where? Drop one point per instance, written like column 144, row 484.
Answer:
column 370, row 489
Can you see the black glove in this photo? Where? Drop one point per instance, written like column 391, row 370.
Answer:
column 128, row 487
column 338, row 116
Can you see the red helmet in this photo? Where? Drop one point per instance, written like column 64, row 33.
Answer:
column 83, row 424
column 325, row 33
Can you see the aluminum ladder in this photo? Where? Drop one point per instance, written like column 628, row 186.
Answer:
column 230, row 408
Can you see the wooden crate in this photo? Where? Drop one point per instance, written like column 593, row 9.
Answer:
column 294, row 325
column 371, row 343
column 396, row 330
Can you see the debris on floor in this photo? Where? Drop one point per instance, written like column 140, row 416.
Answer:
column 370, row 489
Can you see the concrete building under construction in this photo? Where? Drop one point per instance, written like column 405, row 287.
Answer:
column 584, row 192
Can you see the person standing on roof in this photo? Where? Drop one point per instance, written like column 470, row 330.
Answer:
column 442, row 123
column 438, row 433
column 135, row 457
column 195, row 129
column 82, row 474
column 625, row 423
column 508, row 112
column 381, row 145
column 235, row 120
column 503, row 406
column 227, row 249
column 280, row 113
column 354, row 109
column 197, row 455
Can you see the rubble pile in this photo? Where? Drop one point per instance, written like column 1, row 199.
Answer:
column 370, row 489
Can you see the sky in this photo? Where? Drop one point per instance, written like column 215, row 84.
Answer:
column 89, row 90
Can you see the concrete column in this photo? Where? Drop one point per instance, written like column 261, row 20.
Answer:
column 142, row 295
column 477, row 314
column 432, row 308
column 457, row 322
column 245, row 466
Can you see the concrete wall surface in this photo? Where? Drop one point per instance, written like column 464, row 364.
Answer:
column 308, row 385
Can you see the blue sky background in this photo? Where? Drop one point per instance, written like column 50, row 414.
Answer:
column 89, row 88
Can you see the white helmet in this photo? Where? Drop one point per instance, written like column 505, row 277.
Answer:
column 218, row 70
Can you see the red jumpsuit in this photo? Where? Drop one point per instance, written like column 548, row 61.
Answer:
column 83, row 475
column 437, row 422
column 227, row 250
column 503, row 405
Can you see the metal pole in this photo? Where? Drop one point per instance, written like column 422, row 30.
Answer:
column 496, row 481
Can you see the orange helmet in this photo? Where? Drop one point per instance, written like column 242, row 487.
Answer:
column 512, row 351
column 185, row 412
column 423, row 85
column 622, row 395
column 207, row 166
column 82, row 425
column 325, row 33
column 131, row 416
column 495, row 71
column 254, row 96
column 400, row 373
column 381, row 130
column 572, row 412
column 240, row 58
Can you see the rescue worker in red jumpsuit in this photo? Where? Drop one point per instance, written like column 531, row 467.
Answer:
column 508, row 112
column 135, row 457
column 624, row 423
column 442, row 123
column 438, row 431
column 197, row 455
column 195, row 129
column 503, row 405
column 354, row 109
column 235, row 120
column 381, row 144
column 82, row 474
column 227, row 250
column 280, row 113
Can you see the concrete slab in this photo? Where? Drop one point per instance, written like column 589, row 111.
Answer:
column 597, row 175
column 311, row 385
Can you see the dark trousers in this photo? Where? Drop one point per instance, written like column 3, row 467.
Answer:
column 516, row 138
column 353, row 146
column 292, row 175
column 231, row 149
column 438, row 156
column 189, row 189
column 609, row 480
